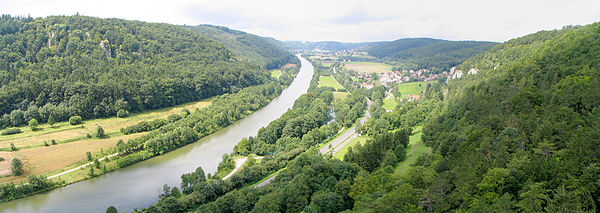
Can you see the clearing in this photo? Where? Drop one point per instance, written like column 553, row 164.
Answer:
column 328, row 81
column 389, row 103
column 358, row 140
column 412, row 88
column 415, row 148
column 275, row 73
column 368, row 67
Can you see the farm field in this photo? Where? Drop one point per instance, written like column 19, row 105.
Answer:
column 328, row 81
column 368, row 67
column 72, row 143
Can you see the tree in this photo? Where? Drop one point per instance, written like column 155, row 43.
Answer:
column 111, row 209
column 122, row 113
column 533, row 197
column 33, row 124
column 120, row 145
column 91, row 172
column 175, row 192
column 16, row 166
column 74, row 120
column 89, row 155
column 51, row 120
column 96, row 163
column 100, row 132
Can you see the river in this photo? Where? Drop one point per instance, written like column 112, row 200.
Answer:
column 139, row 185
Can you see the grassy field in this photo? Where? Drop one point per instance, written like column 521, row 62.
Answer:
column 343, row 151
column 389, row 103
column 415, row 148
column 328, row 81
column 275, row 73
column 368, row 67
column 340, row 95
column 72, row 141
column 412, row 88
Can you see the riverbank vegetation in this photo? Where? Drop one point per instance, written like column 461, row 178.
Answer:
column 521, row 135
column 85, row 56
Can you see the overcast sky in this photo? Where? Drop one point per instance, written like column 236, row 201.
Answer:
column 338, row 20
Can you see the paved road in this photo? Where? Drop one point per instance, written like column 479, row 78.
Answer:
column 347, row 137
column 238, row 164
column 267, row 181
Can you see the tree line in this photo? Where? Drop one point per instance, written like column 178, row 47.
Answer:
column 61, row 66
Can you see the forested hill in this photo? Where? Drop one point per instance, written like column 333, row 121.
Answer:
column 55, row 67
column 324, row 45
column 427, row 53
column 265, row 51
column 523, row 134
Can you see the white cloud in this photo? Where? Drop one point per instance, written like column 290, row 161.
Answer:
column 341, row 20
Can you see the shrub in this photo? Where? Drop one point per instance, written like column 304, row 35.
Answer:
column 89, row 155
column 74, row 120
column 16, row 166
column 100, row 132
column 46, row 143
column 89, row 135
column 33, row 124
column 122, row 113
column 2, row 159
column 12, row 147
column 53, row 142
column 11, row 131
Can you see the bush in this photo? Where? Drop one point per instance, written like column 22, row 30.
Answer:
column 89, row 135
column 11, row 131
column 89, row 155
column 100, row 132
column 33, row 124
column 16, row 166
column 53, row 142
column 74, row 120
column 12, row 147
column 133, row 158
column 46, row 143
column 2, row 159
column 122, row 113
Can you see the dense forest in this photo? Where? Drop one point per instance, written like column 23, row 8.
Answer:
column 267, row 52
column 61, row 66
column 520, row 136
column 426, row 53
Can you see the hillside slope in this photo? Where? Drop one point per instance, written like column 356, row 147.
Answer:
column 324, row 45
column 427, row 53
column 56, row 67
column 523, row 133
column 265, row 51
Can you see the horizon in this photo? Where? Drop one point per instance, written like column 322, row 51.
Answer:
column 341, row 21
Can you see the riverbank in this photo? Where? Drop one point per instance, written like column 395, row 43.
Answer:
column 144, row 180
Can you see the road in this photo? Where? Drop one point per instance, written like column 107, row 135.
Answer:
column 344, row 139
column 347, row 137
column 238, row 164
column 79, row 167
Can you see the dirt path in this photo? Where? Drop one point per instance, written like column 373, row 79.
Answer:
column 79, row 167
column 238, row 164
